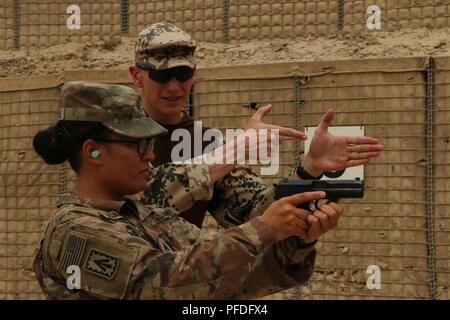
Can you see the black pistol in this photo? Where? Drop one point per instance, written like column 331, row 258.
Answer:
column 334, row 189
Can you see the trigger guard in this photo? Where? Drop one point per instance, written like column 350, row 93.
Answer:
column 315, row 205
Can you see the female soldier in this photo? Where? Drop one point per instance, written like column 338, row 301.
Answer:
column 102, row 245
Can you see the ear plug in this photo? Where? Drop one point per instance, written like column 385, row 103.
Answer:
column 95, row 154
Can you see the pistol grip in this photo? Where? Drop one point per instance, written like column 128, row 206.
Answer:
column 312, row 206
column 309, row 206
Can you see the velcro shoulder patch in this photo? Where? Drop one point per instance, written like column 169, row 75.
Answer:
column 106, row 265
column 101, row 264
column 72, row 251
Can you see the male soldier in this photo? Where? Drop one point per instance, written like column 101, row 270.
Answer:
column 165, row 71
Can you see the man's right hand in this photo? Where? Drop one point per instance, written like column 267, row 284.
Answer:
column 255, row 122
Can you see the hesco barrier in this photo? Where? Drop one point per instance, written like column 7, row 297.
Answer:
column 31, row 23
column 401, row 226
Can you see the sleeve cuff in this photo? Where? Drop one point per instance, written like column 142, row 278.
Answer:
column 295, row 250
column 259, row 232
column 288, row 275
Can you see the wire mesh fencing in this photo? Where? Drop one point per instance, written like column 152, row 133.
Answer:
column 441, row 172
column 9, row 27
column 386, row 229
column 397, row 227
column 31, row 23
column 28, row 187
column 203, row 20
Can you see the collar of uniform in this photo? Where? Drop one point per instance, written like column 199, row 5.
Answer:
column 185, row 121
column 102, row 204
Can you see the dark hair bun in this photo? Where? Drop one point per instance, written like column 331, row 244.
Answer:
column 47, row 145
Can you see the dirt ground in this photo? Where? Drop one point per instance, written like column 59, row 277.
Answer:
column 117, row 53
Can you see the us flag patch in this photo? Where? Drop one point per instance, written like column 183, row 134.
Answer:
column 72, row 251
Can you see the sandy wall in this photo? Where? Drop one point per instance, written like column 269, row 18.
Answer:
column 43, row 23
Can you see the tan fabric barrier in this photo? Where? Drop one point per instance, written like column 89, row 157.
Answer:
column 43, row 23
column 281, row 19
column 388, row 228
column 7, row 26
column 396, row 15
column 388, row 98
column 441, row 174
column 203, row 19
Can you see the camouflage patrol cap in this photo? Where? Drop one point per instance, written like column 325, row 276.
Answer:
column 164, row 46
column 115, row 106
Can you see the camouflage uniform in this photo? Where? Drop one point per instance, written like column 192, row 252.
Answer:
column 129, row 251
column 164, row 46
column 239, row 195
column 125, row 250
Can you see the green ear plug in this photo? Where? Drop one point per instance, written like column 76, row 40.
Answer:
column 95, row 154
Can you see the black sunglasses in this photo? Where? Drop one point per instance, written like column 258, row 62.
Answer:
column 182, row 74
column 142, row 144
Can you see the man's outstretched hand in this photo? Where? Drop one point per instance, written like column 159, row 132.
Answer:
column 328, row 152
column 256, row 122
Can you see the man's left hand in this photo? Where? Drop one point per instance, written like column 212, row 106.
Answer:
column 328, row 152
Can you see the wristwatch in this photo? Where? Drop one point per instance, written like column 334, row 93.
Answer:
column 305, row 175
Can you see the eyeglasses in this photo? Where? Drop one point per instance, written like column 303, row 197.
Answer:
column 182, row 74
column 142, row 144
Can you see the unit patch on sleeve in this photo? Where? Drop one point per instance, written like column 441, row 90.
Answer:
column 101, row 264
